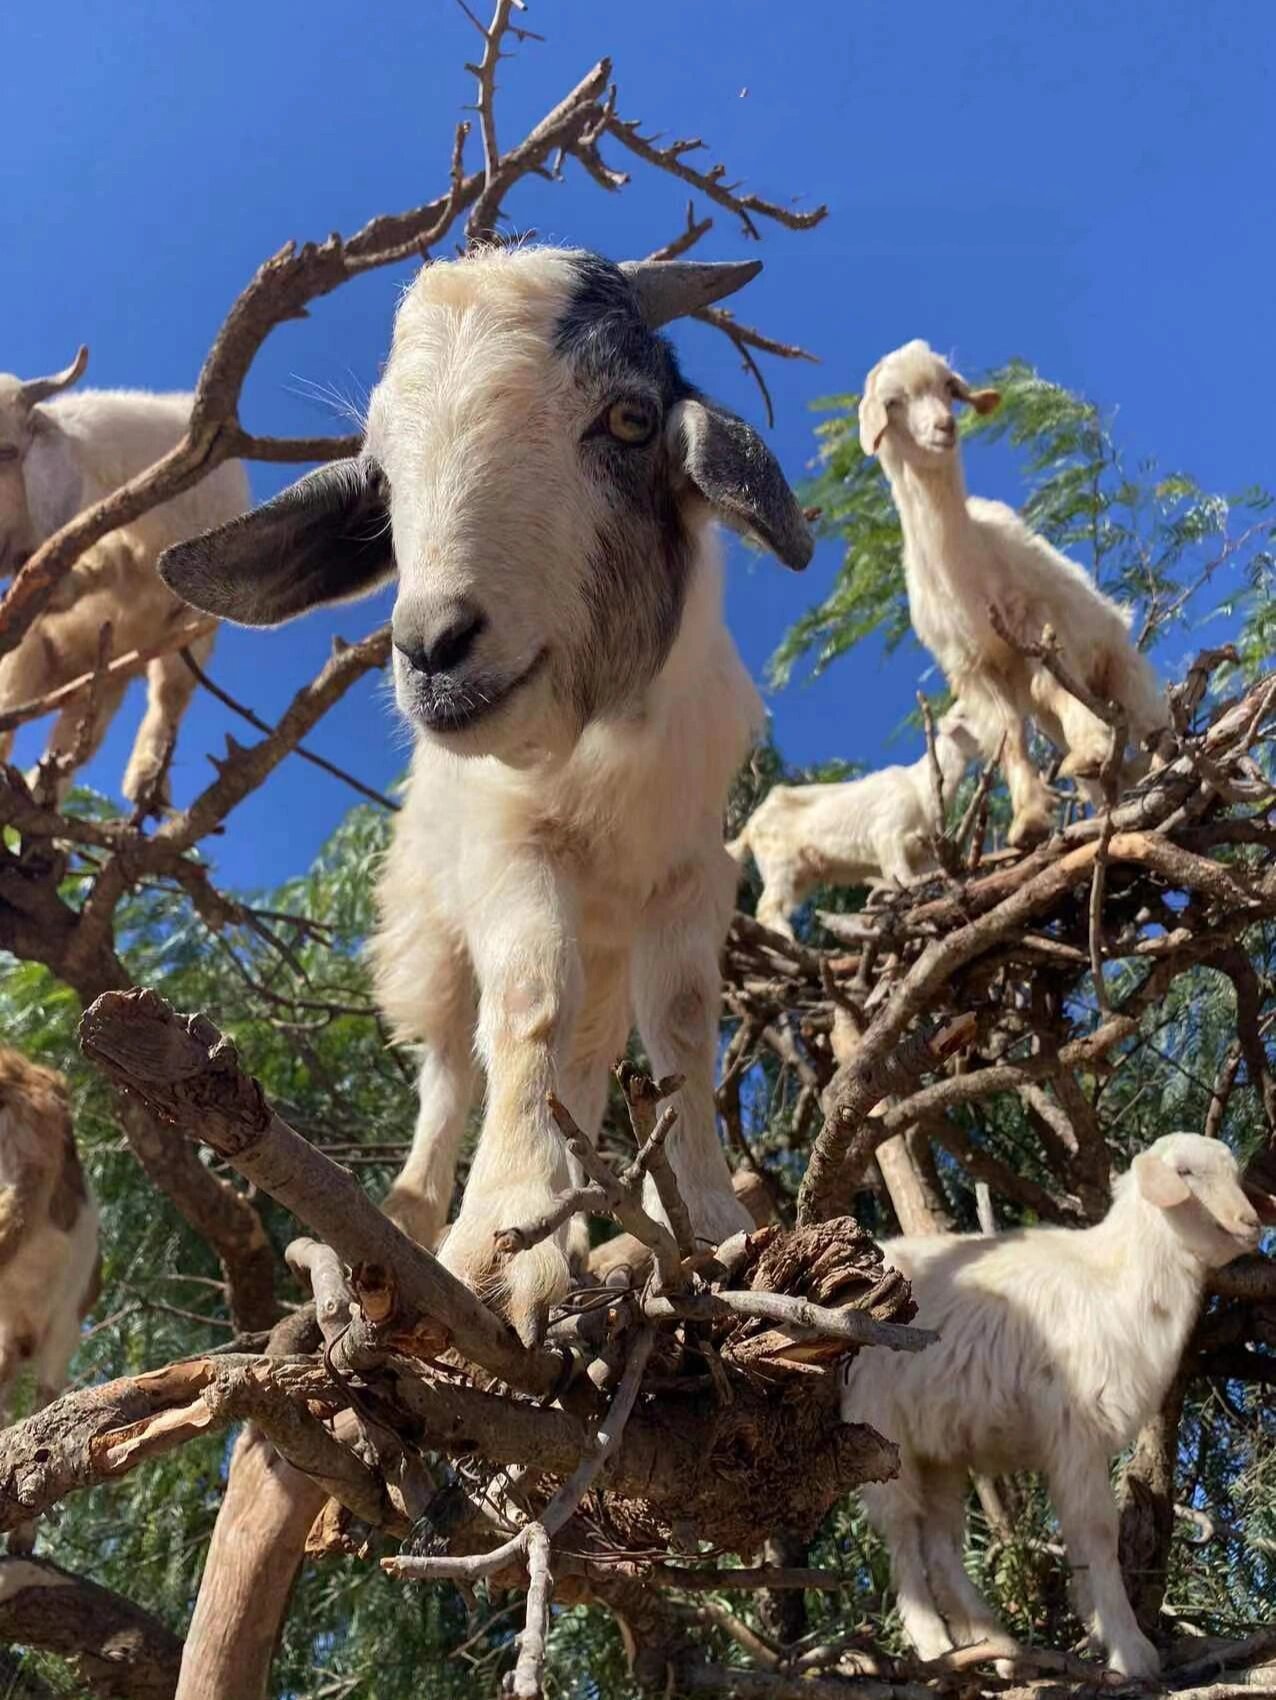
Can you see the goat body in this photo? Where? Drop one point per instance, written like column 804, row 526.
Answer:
column 1055, row 1346
column 544, row 480
column 870, row 831
column 65, row 454
column 962, row 555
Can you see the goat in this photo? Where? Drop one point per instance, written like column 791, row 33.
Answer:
column 61, row 453
column 545, row 477
column 961, row 555
column 1056, row 1346
column 870, row 831
column 49, row 1265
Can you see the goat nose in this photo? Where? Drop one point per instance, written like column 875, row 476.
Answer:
column 439, row 644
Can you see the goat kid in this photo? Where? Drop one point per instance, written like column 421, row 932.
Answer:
column 962, row 554
column 870, row 831
column 546, row 480
column 61, row 453
column 1056, row 1346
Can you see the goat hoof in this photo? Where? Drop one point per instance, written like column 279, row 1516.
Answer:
column 1082, row 764
column 520, row 1285
column 1136, row 1657
column 1030, row 826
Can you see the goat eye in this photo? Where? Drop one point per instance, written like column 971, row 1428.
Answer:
column 954, row 389
column 631, row 422
column 1183, row 1169
column 9, row 451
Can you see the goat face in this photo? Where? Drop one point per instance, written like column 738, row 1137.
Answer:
column 908, row 404
column 1195, row 1182
column 536, row 465
column 39, row 483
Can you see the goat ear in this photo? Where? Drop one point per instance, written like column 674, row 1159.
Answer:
column 51, row 470
column 1158, row 1183
column 740, row 478
column 324, row 539
column 873, row 421
column 984, row 401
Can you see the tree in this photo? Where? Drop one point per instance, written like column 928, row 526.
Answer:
column 389, row 1414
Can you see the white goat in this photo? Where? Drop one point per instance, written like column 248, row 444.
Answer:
column 546, row 479
column 1056, row 1345
column 962, row 554
column 60, row 454
column 869, row 831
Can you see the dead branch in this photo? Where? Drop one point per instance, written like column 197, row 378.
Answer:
column 188, row 1075
column 115, row 1648
column 255, row 720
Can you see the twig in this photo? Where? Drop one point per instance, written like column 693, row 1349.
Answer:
column 261, row 725
column 561, row 1507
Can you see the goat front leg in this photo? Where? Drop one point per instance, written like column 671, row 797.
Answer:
column 1082, row 1494
column 677, row 996
column 530, row 984
column 443, row 1012
column 170, row 684
column 1086, row 740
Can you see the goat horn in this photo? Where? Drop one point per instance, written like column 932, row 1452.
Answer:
column 40, row 389
column 670, row 289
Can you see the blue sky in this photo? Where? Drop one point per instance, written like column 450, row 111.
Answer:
column 1089, row 186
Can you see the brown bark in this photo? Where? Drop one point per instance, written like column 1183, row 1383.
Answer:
column 253, row 1559
column 117, row 1650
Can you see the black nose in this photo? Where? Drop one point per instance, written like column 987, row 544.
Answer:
column 443, row 647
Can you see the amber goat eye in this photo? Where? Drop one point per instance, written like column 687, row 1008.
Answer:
column 631, row 422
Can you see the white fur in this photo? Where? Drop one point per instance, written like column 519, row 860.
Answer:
column 557, row 873
column 56, row 459
column 960, row 555
column 1056, row 1345
column 870, row 831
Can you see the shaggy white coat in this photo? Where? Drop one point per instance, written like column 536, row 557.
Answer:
column 870, row 831
column 1056, row 1346
column 962, row 554
column 57, row 458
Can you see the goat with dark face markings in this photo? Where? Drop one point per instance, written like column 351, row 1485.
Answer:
column 550, row 481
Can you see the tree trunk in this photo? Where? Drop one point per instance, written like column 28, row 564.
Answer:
column 1147, row 1509
column 252, row 1562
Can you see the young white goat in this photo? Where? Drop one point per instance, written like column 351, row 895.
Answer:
column 869, row 831
column 60, row 454
column 546, row 479
column 1055, row 1346
column 960, row 555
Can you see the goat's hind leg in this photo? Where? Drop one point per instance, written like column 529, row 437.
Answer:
column 969, row 1616
column 170, row 684
column 897, row 1510
column 677, row 994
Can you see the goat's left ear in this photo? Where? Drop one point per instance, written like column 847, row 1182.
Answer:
column 983, row 401
column 740, row 478
column 324, row 539
column 1158, row 1183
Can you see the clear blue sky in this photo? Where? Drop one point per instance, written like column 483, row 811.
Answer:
column 1090, row 186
